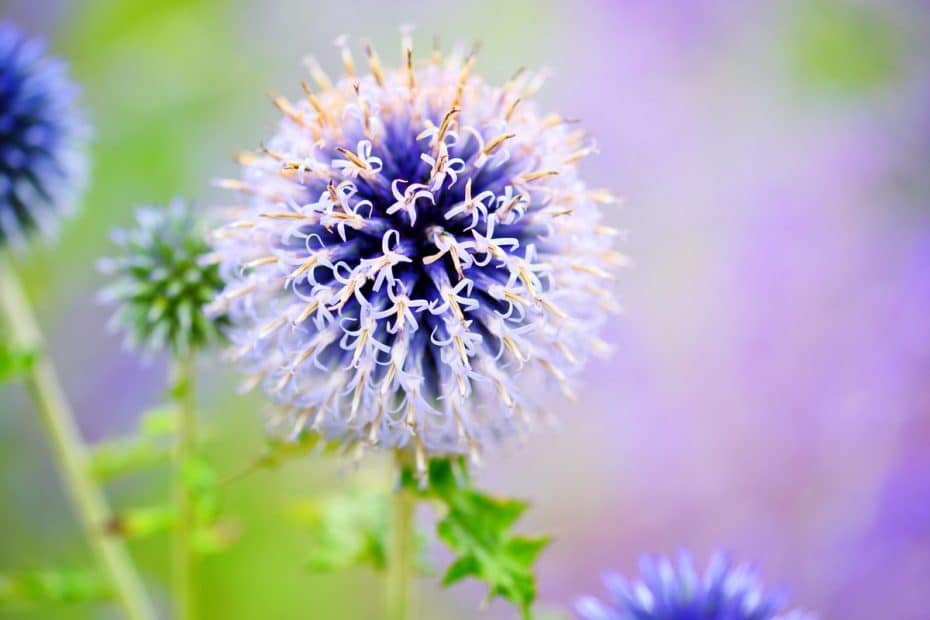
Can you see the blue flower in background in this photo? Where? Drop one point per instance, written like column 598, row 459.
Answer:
column 415, row 257
column 667, row 592
column 42, row 138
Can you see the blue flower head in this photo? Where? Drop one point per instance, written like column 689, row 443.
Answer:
column 415, row 256
column 667, row 592
column 42, row 138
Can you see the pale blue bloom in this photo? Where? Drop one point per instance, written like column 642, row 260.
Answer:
column 416, row 257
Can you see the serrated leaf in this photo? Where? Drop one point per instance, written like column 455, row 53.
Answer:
column 15, row 362
column 53, row 586
column 477, row 528
column 465, row 566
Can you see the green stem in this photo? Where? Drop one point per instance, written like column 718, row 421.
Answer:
column 401, row 549
column 73, row 462
column 183, row 391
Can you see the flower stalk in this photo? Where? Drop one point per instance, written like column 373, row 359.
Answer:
column 182, row 380
column 401, row 548
column 71, row 454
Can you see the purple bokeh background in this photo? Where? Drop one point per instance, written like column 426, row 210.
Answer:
column 768, row 389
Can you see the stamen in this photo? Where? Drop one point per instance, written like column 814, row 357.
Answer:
column 594, row 271
column 303, row 268
column 601, row 196
column 532, row 176
column 551, row 308
column 463, row 78
column 411, row 78
column 272, row 154
column 512, row 108
column 494, row 143
column 446, row 123
column 319, row 76
column 360, row 345
column 352, row 157
column 259, row 262
column 374, row 64
column 239, row 292
column 366, row 119
column 288, row 110
column 347, row 62
column 286, row 215
column 272, row 327
column 315, row 104
column 310, row 309
column 579, row 154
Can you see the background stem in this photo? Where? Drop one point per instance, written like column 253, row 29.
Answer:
column 401, row 550
column 182, row 381
column 72, row 458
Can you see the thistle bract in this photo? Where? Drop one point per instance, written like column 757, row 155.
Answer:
column 669, row 592
column 163, row 280
column 42, row 138
column 416, row 256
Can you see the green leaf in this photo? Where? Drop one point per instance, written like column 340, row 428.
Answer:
column 216, row 538
column 143, row 450
column 15, row 362
column 142, row 522
column 113, row 459
column 477, row 528
column 349, row 529
column 161, row 421
column 53, row 586
column 202, row 482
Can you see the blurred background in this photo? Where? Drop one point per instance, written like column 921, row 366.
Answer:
column 768, row 388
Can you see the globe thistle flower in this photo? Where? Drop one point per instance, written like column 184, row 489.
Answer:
column 163, row 280
column 416, row 256
column 667, row 592
column 42, row 138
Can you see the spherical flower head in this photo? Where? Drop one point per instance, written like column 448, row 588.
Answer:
column 163, row 280
column 416, row 256
column 42, row 138
column 669, row 592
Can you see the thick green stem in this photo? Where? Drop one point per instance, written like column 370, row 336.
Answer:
column 183, row 391
column 71, row 453
column 401, row 550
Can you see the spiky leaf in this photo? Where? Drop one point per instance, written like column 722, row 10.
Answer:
column 477, row 527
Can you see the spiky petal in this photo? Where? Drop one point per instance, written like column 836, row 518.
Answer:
column 415, row 257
